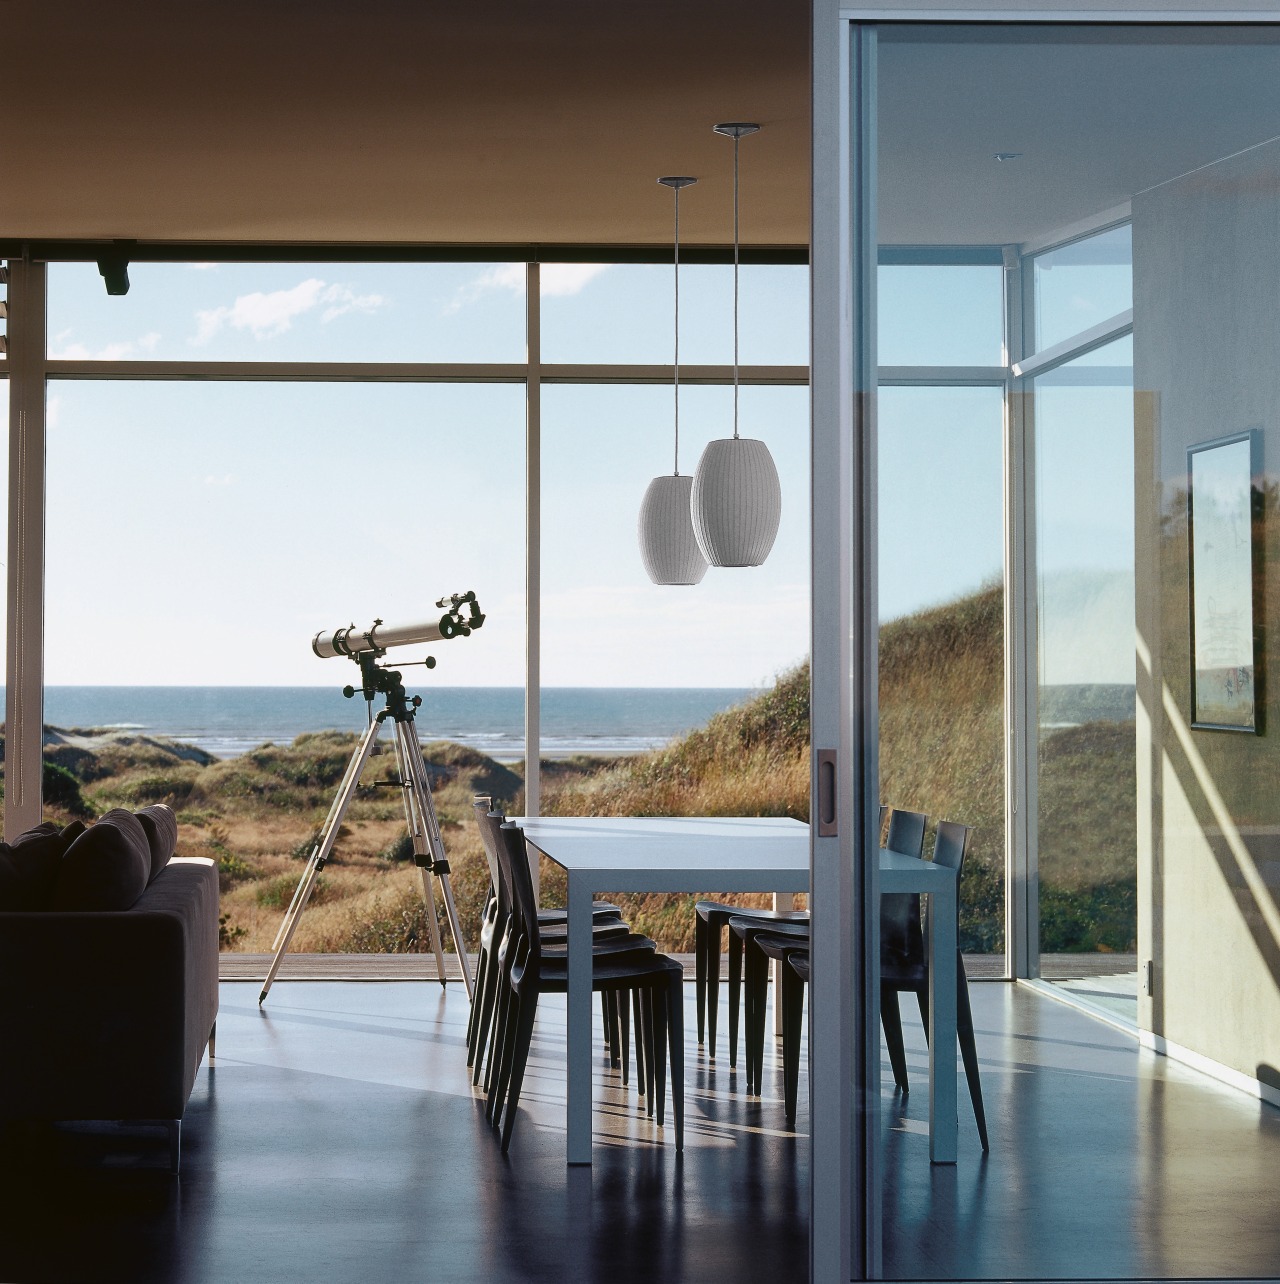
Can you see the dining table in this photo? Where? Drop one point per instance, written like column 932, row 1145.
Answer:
column 722, row 855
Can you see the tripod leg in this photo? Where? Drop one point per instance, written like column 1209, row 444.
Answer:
column 412, row 772
column 324, row 846
column 356, row 765
column 411, row 753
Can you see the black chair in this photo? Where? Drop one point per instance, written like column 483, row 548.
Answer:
column 497, row 912
column 906, row 968
column 657, row 979
column 761, row 942
column 906, row 831
column 901, row 937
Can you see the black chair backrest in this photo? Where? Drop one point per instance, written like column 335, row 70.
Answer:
column 906, row 832
column 513, row 857
column 489, row 822
column 951, row 845
column 901, row 933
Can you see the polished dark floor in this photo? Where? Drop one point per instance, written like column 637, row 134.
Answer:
column 338, row 1139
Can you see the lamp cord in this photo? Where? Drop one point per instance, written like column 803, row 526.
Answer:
column 736, row 140
column 677, row 345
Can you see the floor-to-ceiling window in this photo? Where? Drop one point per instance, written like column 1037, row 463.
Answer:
column 941, row 559
column 270, row 450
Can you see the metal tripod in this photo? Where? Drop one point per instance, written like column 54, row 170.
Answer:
column 419, row 811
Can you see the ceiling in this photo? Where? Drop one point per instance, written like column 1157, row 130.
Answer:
column 1096, row 118
column 547, row 122
column 515, row 121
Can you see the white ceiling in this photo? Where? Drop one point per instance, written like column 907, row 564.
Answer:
column 1096, row 119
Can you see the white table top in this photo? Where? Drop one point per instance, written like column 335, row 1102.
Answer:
column 696, row 853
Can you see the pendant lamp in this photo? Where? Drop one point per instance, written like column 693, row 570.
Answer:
column 737, row 500
column 668, row 547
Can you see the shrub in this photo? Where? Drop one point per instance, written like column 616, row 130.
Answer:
column 61, row 789
column 173, row 788
column 276, row 893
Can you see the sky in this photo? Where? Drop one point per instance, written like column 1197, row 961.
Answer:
column 232, row 521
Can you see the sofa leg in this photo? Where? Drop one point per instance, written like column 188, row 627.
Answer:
column 213, row 1041
column 174, row 1127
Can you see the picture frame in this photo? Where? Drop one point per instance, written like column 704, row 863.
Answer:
column 1224, row 525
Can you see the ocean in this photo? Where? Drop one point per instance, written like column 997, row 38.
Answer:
column 227, row 721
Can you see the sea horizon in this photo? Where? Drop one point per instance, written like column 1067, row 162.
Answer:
column 229, row 720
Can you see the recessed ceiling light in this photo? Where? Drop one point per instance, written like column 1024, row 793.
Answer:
column 1004, row 156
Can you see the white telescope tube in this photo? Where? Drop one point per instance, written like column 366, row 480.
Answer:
column 381, row 637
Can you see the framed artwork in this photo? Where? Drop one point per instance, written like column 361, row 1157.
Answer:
column 1224, row 516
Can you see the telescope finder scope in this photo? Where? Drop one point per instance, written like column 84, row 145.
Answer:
column 460, row 618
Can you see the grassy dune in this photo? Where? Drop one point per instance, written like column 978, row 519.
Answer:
column 941, row 752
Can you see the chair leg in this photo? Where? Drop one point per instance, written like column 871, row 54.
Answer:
column 641, row 1060
column 519, row 1060
column 792, row 990
column 675, row 1033
column 700, row 931
column 606, row 1017
column 755, row 1001
column 499, row 1052
column 497, row 1034
column 922, row 999
column 482, row 1011
column 660, row 1025
column 891, row 1022
column 735, row 988
column 623, row 1011
column 969, row 1050
column 712, row 942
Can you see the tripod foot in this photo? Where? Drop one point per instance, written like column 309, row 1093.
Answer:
column 262, row 998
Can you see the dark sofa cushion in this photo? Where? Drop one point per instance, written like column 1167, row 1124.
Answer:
column 29, row 866
column 107, row 867
column 161, row 827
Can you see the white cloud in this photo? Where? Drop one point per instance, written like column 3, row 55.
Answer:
column 562, row 279
column 271, row 314
column 558, row 280
column 62, row 350
column 200, row 267
column 225, row 480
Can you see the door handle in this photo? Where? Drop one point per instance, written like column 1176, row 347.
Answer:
column 828, row 818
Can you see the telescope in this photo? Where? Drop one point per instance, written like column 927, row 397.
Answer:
column 461, row 617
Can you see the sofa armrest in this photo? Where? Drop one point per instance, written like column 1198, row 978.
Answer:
column 106, row 1015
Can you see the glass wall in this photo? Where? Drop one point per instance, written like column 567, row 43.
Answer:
column 374, row 312
column 1085, row 611
column 942, row 627
column 1128, row 176
column 199, row 536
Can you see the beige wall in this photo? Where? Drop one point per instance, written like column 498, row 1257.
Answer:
column 1207, row 363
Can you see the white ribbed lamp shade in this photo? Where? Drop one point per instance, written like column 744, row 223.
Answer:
column 667, row 545
column 736, row 502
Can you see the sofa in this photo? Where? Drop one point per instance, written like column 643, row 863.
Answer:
column 108, row 972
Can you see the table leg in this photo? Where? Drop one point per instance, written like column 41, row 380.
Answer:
column 781, row 901
column 943, row 1125
column 579, row 1022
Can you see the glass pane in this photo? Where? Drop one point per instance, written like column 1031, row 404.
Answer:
column 941, row 316
column 1079, row 285
column 623, row 313
column 941, row 596
column 290, row 312
column 673, row 655
column 229, row 524
column 1085, row 608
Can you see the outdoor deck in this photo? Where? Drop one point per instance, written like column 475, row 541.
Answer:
column 338, row 1139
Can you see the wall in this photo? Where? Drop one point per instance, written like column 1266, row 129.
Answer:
column 1206, row 344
